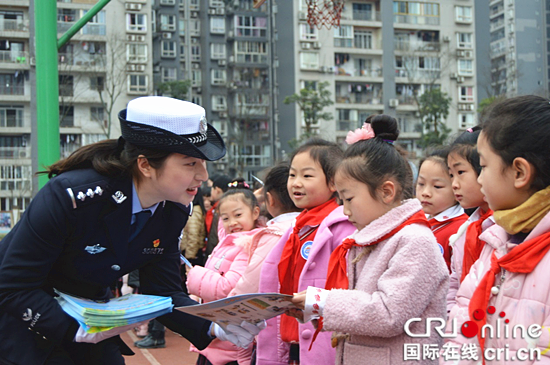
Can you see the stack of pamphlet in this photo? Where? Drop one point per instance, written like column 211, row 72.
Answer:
column 101, row 316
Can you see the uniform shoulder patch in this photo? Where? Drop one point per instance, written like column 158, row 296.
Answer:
column 86, row 194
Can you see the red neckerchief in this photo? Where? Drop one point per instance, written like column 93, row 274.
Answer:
column 436, row 225
column 473, row 245
column 521, row 259
column 337, row 277
column 311, row 217
column 209, row 217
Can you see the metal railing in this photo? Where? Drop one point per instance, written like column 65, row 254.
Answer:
column 416, row 19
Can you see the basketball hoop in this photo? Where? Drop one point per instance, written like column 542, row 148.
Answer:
column 324, row 13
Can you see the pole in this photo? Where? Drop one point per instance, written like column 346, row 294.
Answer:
column 81, row 22
column 47, row 85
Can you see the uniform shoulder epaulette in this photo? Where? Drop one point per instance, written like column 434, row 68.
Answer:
column 87, row 194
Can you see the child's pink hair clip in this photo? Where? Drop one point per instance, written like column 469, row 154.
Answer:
column 359, row 134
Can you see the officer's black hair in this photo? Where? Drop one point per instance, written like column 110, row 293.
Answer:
column 109, row 157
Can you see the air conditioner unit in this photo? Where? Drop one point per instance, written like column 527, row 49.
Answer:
column 230, row 34
column 131, row 38
column 194, row 40
column 132, row 6
column 140, row 68
column 323, row 69
column 446, row 38
column 212, row 11
column 393, row 103
column 130, row 67
column 460, row 53
column 305, row 45
column 331, row 69
column 460, row 79
column 198, row 90
column 454, row 75
column 316, row 45
column 166, row 35
column 221, row 62
column 469, row 54
column 32, row 61
column 223, row 115
column 302, row 15
column 220, row 11
column 140, row 38
column 466, row 107
column 196, row 65
column 231, row 59
column 194, row 14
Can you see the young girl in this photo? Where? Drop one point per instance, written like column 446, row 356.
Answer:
column 300, row 258
column 434, row 190
column 239, row 211
column 464, row 169
column 395, row 271
column 510, row 278
column 258, row 246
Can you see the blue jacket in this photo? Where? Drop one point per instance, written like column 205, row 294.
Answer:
column 74, row 237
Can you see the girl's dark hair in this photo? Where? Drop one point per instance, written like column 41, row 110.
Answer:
column 327, row 154
column 437, row 155
column 520, row 127
column 246, row 195
column 276, row 184
column 376, row 160
column 465, row 146
column 110, row 157
column 206, row 191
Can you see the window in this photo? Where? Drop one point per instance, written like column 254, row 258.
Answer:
column 136, row 53
column 169, row 74
column 343, row 36
column 96, row 25
column 217, row 3
column 167, row 2
column 466, row 120
column 66, row 85
column 217, row 51
column 428, row 63
column 196, row 77
column 181, row 27
column 250, row 26
column 466, row 94
column 465, row 67
column 168, row 49
column 464, row 40
column 66, row 116
column 196, row 99
column 309, row 60
column 97, row 83
column 219, row 103
column 362, row 12
column 136, row 22
column 195, row 27
column 308, row 33
column 137, row 84
column 196, row 53
column 97, row 113
column 463, row 14
column 217, row 24
column 11, row 84
column 218, row 77
column 251, row 52
column 11, row 116
column 167, row 23
column 362, row 39
column 311, row 85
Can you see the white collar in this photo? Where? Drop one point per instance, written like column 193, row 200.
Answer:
column 449, row 213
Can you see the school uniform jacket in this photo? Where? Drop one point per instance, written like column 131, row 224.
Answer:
column 74, row 237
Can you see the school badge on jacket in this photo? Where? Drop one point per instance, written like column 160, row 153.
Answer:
column 155, row 250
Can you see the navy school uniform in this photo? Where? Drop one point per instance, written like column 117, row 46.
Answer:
column 74, row 237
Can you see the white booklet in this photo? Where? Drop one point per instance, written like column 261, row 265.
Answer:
column 252, row 308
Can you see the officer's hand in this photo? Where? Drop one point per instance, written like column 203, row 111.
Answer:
column 241, row 336
column 83, row 336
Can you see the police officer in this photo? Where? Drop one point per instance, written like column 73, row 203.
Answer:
column 109, row 208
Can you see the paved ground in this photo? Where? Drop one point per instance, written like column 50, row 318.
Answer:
column 176, row 351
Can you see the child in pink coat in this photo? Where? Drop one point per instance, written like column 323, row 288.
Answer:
column 395, row 271
column 239, row 212
column 259, row 245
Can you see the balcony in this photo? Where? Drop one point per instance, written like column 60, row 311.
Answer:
column 13, row 25
column 366, row 15
column 404, row 45
column 15, row 152
column 14, row 57
column 16, row 89
column 415, row 19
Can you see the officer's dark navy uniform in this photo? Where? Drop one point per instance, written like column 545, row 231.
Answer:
column 75, row 237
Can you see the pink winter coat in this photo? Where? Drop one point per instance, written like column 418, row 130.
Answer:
column 258, row 246
column 457, row 242
column 271, row 349
column 402, row 277
column 214, row 281
column 524, row 298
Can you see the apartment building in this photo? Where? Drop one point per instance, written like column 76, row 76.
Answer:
column 224, row 48
column 380, row 59
column 102, row 67
column 519, row 51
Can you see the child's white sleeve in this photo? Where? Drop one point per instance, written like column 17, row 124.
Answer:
column 315, row 302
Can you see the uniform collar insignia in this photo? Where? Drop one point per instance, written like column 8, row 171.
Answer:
column 94, row 249
column 119, row 197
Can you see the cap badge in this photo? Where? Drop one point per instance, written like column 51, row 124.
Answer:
column 203, row 126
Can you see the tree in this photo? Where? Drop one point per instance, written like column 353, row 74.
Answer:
column 483, row 104
column 311, row 102
column 176, row 89
column 434, row 106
